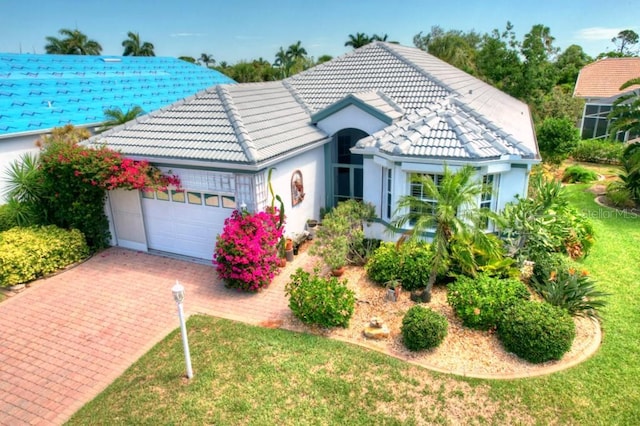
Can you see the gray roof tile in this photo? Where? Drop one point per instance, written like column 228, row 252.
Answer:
column 436, row 109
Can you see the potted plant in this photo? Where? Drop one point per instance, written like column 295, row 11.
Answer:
column 312, row 226
column 393, row 290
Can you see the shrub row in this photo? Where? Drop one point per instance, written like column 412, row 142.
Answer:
column 29, row 253
column 598, row 151
column 534, row 331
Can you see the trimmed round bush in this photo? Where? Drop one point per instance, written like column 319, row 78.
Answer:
column 322, row 301
column 423, row 328
column 480, row 302
column 383, row 265
column 536, row 331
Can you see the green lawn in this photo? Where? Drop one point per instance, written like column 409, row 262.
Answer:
column 250, row 375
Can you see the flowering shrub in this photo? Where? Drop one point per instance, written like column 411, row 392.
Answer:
column 74, row 179
column 246, row 251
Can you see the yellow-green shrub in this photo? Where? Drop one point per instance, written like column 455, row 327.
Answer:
column 29, row 253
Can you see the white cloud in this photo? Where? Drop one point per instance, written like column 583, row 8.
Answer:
column 597, row 33
column 187, row 35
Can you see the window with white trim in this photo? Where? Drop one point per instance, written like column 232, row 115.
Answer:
column 489, row 195
column 387, row 193
column 417, row 190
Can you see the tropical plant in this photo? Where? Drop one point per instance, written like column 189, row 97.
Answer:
column 384, row 264
column 625, row 111
column 572, row 290
column 24, row 191
column 423, row 328
column 246, row 254
column 628, row 183
column 283, row 62
column 326, row 302
column 480, row 302
column 536, row 331
column 545, row 223
column 206, row 59
column 450, row 209
column 134, row 47
column 115, row 117
column 296, row 51
column 74, row 43
column 358, row 40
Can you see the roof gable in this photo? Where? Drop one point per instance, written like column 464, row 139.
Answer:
column 373, row 103
column 447, row 130
column 603, row 78
column 39, row 92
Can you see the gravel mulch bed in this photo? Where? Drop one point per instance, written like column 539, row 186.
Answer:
column 464, row 351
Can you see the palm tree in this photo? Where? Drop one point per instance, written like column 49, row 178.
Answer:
column 283, row 62
column 133, row 47
column 625, row 114
column 383, row 37
column 75, row 43
column 449, row 206
column 359, row 40
column 115, row 117
column 296, row 51
column 206, row 59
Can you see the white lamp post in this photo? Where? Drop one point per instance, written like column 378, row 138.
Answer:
column 178, row 296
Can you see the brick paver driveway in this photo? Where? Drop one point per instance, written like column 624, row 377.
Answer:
column 63, row 340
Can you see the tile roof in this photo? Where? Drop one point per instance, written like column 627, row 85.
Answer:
column 249, row 124
column 446, row 130
column 603, row 78
column 39, row 92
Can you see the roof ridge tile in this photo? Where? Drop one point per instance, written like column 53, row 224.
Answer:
column 244, row 139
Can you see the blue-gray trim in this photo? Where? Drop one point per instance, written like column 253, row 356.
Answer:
column 347, row 101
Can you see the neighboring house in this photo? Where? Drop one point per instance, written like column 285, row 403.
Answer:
column 358, row 127
column 599, row 85
column 40, row 92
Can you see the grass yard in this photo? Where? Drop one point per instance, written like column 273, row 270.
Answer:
column 251, row 375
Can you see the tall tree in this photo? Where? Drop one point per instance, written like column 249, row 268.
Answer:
column 625, row 114
column 449, row 207
column 133, row 46
column 115, row 117
column 498, row 59
column 296, row 51
column 539, row 75
column 569, row 63
column 624, row 41
column 283, row 62
column 453, row 46
column 206, row 59
column 358, row 40
column 74, row 43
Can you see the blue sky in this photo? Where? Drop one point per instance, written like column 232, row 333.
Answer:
column 234, row 30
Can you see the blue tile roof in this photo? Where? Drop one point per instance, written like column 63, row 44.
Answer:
column 39, row 92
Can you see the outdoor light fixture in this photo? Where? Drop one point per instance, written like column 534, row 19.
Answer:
column 178, row 296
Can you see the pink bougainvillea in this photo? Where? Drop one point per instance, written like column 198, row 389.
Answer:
column 246, row 252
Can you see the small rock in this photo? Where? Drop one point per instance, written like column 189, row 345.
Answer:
column 376, row 322
column 377, row 333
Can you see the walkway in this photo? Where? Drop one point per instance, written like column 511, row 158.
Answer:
column 69, row 336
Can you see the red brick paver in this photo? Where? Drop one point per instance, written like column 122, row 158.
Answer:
column 67, row 337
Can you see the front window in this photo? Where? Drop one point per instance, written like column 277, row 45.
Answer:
column 417, row 190
column 489, row 196
column 387, row 192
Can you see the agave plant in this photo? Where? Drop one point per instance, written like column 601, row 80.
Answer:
column 572, row 290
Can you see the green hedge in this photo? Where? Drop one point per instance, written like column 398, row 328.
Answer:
column 29, row 253
column 598, row 151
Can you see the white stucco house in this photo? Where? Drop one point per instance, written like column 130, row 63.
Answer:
column 358, row 126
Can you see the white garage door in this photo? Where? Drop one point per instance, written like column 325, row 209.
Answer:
column 185, row 222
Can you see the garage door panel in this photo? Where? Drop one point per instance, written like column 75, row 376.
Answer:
column 183, row 228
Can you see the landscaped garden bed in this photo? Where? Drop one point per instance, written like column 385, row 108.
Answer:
column 464, row 351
